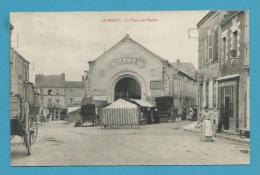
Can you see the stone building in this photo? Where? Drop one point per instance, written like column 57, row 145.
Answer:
column 19, row 73
column 129, row 70
column 57, row 94
column 74, row 92
column 51, row 88
column 224, row 67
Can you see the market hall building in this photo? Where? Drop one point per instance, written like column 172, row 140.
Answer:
column 129, row 70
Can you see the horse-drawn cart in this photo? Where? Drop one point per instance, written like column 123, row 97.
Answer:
column 88, row 114
column 23, row 123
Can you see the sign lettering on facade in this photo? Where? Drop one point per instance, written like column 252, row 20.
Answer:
column 127, row 60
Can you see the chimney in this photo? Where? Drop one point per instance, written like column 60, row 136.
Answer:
column 63, row 76
column 178, row 61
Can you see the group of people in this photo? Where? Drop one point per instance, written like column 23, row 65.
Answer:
column 190, row 114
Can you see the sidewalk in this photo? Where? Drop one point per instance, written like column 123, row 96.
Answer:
column 191, row 127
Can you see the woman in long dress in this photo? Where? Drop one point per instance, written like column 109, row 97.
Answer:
column 206, row 127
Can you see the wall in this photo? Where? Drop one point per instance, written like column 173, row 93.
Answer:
column 76, row 94
column 110, row 67
column 19, row 71
column 240, row 64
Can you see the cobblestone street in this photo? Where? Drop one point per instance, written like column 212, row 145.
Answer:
column 61, row 144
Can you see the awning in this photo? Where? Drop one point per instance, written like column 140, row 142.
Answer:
column 72, row 109
column 142, row 103
column 228, row 77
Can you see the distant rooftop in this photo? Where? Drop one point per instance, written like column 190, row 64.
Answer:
column 50, row 80
column 185, row 67
column 74, row 84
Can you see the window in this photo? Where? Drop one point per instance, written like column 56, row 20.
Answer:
column 71, row 100
column 210, row 47
column 49, row 91
column 233, row 51
column 202, row 53
column 57, row 102
column 224, row 44
column 71, row 90
column 215, row 46
column 49, row 102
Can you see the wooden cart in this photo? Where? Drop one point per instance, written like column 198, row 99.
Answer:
column 23, row 122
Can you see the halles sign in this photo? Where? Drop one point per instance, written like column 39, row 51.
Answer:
column 127, row 60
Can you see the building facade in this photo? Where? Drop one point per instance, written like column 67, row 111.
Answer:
column 129, row 70
column 74, row 92
column 19, row 73
column 51, row 88
column 224, row 67
column 57, row 94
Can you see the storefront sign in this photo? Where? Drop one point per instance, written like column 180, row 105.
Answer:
column 127, row 60
column 155, row 85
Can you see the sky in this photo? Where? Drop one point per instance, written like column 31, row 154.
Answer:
column 57, row 42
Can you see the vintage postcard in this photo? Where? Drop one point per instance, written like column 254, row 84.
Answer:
column 129, row 88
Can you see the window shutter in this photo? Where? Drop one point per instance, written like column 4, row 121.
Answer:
column 215, row 46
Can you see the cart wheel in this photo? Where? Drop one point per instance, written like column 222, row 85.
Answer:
column 27, row 142
column 27, row 138
column 33, row 129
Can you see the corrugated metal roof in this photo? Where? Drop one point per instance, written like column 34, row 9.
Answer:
column 120, row 103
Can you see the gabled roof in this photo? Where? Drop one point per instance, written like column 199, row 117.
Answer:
column 205, row 18
column 74, row 84
column 186, row 68
column 19, row 55
column 127, row 38
column 50, row 80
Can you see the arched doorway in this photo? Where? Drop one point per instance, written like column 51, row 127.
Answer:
column 127, row 87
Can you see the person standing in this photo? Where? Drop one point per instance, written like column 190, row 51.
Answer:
column 206, row 127
column 221, row 120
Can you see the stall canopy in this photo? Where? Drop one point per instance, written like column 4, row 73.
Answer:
column 142, row 103
column 73, row 113
column 121, row 113
column 72, row 109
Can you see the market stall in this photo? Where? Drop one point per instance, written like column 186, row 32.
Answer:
column 120, row 113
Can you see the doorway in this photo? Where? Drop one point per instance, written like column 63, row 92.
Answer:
column 127, row 88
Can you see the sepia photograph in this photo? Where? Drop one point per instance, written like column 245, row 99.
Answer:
column 129, row 88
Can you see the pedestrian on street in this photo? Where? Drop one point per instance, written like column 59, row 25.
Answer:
column 221, row 120
column 206, row 127
column 48, row 117
column 184, row 113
